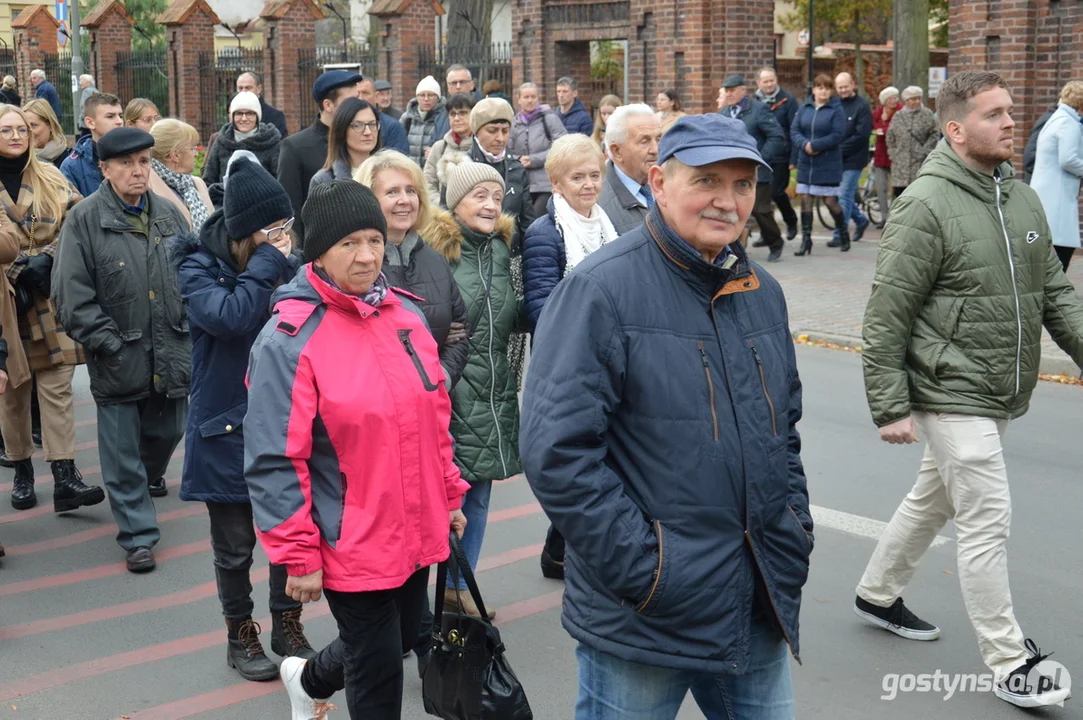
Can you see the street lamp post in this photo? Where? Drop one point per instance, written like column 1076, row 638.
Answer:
column 811, row 44
column 345, row 27
column 76, row 60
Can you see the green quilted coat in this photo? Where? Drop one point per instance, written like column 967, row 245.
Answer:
column 484, row 403
column 966, row 277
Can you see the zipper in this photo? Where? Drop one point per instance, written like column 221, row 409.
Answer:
column 1015, row 292
column 774, row 608
column 811, row 138
column 658, row 572
column 710, row 388
column 763, row 384
column 492, row 364
column 408, row 345
column 342, row 503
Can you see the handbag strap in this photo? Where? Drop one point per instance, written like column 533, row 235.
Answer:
column 456, row 564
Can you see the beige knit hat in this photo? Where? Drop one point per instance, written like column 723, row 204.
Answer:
column 463, row 178
column 490, row 110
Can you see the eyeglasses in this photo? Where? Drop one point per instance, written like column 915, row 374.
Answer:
column 457, row 83
column 458, row 114
column 277, row 232
column 363, row 126
column 245, row 114
column 7, row 132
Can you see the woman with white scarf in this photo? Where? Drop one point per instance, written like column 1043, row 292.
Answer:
column 173, row 160
column 574, row 227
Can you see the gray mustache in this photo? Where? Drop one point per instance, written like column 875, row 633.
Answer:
column 729, row 217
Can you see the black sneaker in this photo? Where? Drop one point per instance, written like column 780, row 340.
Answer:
column 1028, row 687
column 158, row 488
column 775, row 255
column 760, row 243
column 791, row 231
column 897, row 619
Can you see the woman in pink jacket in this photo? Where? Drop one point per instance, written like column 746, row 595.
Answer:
column 348, row 458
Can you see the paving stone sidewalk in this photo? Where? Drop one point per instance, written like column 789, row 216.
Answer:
column 827, row 292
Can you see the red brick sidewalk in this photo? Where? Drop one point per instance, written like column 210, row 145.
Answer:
column 826, row 292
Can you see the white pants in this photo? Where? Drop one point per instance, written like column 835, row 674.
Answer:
column 962, row 477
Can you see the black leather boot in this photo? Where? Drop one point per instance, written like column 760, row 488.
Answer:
column 23, row 496
column 806, row 234
column 157, row 488
column 844, row 232
column 69, row 491
column 288, row 635
column 245, row 652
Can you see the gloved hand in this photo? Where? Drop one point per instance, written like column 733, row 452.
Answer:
column 38, row 273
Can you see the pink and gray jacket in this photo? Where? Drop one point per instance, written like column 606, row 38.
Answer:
column 347, row 453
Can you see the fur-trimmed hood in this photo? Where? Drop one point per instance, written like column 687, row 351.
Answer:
column 445, row 236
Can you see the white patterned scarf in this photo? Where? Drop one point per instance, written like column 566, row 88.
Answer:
column 582, row 236
column 184, row 186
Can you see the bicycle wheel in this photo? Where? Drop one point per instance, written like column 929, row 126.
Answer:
column 870, row 201
column 823, row 214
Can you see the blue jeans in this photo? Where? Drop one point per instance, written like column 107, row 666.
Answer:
column 476, row 510
column 615, row 689
column 850, row 209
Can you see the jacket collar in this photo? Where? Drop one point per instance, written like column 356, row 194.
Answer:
column 626, row 198
column 335, row 298
column 944, row 163
column 112, row 211
column 733, row 275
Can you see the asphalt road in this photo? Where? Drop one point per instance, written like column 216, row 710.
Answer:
column 81, row 639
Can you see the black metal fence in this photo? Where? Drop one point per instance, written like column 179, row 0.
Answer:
column 143, row 74
column 218, row 73
column 57, row 67
column 493, row 63
column 312, row 61
column 7, row 63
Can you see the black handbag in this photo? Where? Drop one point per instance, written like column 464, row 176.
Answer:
column 468, row 677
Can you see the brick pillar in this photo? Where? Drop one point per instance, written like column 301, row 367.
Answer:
column 409, row 25
column 189, row 31
column 291, row 26
column 110, row 25
column 34, row 33
column 528, row 60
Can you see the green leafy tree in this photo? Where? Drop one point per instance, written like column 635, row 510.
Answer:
column 147, row 33
column 938, row 14
column 842, row 20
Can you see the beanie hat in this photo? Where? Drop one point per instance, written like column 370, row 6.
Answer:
column 464, row 177
column 253, row 199
column 337, row 209
column 428, row 84
column 489, row 110
column 246, row 101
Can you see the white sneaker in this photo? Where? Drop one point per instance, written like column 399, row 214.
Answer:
column 303, row 706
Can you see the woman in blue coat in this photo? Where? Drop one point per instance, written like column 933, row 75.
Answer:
column 226, row 278
column 1058, row 168
column 817, row 132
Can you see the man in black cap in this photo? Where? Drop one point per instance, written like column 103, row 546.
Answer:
column 302, row 155
column 683, row 502
column 383, row 99
column 771, row 141
column 117, row 295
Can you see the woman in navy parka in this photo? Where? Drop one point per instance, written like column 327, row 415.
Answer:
column 817, row 133
column 226, row 278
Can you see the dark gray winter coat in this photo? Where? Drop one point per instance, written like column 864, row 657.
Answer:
column 265, row 145
column 117, row 295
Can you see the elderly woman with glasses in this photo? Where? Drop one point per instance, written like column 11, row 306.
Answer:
column 227, row 276
column 452, row 149
column 173, row 161
column 353, row 138
column 244, row 131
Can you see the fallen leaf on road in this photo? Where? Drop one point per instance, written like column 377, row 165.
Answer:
column 804, row 340
column 1063, row 379
column 948, row 572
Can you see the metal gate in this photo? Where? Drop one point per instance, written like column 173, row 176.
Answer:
column 218, row 73
column 312, row 61
column 143, row 74
column 484, row 65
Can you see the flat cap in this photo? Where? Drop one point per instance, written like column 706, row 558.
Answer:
column 123, row 141
column 382, row 85
column 330, row 80
column 734, row 81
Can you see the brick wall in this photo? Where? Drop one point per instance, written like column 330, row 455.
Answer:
column 289, row 28
column 406, row 29
column 110, row 34
column 34, row 36
column 187, row 37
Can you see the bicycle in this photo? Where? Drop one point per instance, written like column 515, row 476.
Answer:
column 866, row 198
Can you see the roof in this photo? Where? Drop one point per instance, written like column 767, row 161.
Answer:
column 99, row 14
column 179, row 12
column 398, row 7
column 29, row 14
column 277, row 9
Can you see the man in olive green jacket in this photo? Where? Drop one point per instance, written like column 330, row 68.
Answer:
column 965, row 279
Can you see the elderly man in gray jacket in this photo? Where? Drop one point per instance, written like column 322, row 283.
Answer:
column 631, row 139
column 118, row 296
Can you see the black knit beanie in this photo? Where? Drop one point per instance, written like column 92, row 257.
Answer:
column 253, row 199
column 337, row 209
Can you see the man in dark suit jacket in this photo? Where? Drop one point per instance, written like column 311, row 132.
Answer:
column 631, row 137
column 855, row 152
column 251, row 82
column 783, row 106
column 771, row 141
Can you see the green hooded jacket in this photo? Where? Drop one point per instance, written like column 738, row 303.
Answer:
column 965, row 279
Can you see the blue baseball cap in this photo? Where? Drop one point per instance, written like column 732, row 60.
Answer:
column 330, row 80
column 698, row 140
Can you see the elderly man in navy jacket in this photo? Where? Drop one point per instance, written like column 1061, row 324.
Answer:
column 659, row 434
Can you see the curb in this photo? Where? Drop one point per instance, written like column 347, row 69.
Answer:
column 1047, row 366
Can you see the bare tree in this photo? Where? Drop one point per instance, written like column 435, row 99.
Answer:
column 470, row 23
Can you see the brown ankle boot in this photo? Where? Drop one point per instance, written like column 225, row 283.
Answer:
column 453, row 598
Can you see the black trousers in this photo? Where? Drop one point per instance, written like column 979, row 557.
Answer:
column 780, row 181
column 366, row 657
column 764, row 215
column 233, row 538
column 1065, row 255
column 541, row 202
